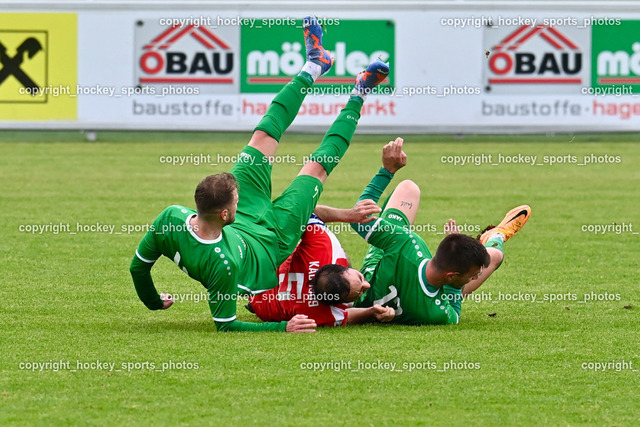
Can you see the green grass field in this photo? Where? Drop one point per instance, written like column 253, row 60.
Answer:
column 68, row 299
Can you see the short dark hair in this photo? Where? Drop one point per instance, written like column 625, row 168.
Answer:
column 214, row 193
column 459, row 253
column 330, row 285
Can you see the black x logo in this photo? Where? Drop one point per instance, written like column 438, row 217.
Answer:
column 11, row 66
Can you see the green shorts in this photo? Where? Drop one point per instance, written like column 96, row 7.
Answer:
column 285, row 217
column 374, row 254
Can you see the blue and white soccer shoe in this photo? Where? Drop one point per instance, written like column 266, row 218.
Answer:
column 374, row 74
column 313, row 42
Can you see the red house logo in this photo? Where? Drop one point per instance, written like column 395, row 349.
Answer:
column 186, row 55
column 540, row 55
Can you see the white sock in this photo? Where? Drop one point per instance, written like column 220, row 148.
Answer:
column 313, row 69
column 497, row 236
column 359, row 92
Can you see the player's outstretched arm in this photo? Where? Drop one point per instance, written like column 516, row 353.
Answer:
column 301, row 323
column 393, row 159
column 223, row 293
column 145, row 258
column 298, row 323
column 141, row 275
column 360, row 213
column 377, row 313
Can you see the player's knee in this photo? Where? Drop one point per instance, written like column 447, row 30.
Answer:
column 260, row 136
column 409, row 187
column 315, row 170
column 264, row 143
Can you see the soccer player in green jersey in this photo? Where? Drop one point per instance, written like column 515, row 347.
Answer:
column 237, row 236
column 401, row 272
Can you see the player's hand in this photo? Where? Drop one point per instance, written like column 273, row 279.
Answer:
column 361, row 211
column 393, row 158
column 301, row 323
column 383, row 314
column 167, row 300
column 451, row 228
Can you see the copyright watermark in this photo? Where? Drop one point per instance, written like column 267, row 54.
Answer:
column 390, row 366
column 614, row 365
column 519, row 21
column 107, row 366
column 532, row 297
column 613, row 228
column 491, row 159
column 101, row 228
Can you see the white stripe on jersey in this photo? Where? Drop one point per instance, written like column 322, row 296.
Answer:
column 338, row 315
column 148, row 261
column 198, row 238
column 228, row 319
column 422, row 284
column 244, row 288
column 337, row 251
column 375, row 224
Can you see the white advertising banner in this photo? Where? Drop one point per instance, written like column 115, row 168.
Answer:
column 484, row 69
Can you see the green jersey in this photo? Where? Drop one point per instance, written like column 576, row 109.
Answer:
column 247, row 254
column 395, row 266
column 220, row 265
column 398, row 279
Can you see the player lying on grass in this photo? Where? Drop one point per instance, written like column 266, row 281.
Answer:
column 402, row 273
column 238, row 236
column 294, row 295
column 318, row 247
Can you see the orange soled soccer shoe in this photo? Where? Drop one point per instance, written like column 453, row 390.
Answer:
column 515, row 219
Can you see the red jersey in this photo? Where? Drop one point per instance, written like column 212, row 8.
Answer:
column 318, row 247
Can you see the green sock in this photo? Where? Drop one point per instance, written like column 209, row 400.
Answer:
column 495, row 241
column 337, row 139
column 285, row 106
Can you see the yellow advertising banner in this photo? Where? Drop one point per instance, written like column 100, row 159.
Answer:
column 38, row 66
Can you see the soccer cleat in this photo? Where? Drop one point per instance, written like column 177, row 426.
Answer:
column 375, row 73
column 512, row 222
column 313, row 42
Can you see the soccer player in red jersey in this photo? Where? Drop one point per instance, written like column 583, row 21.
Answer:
column 294, row 295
